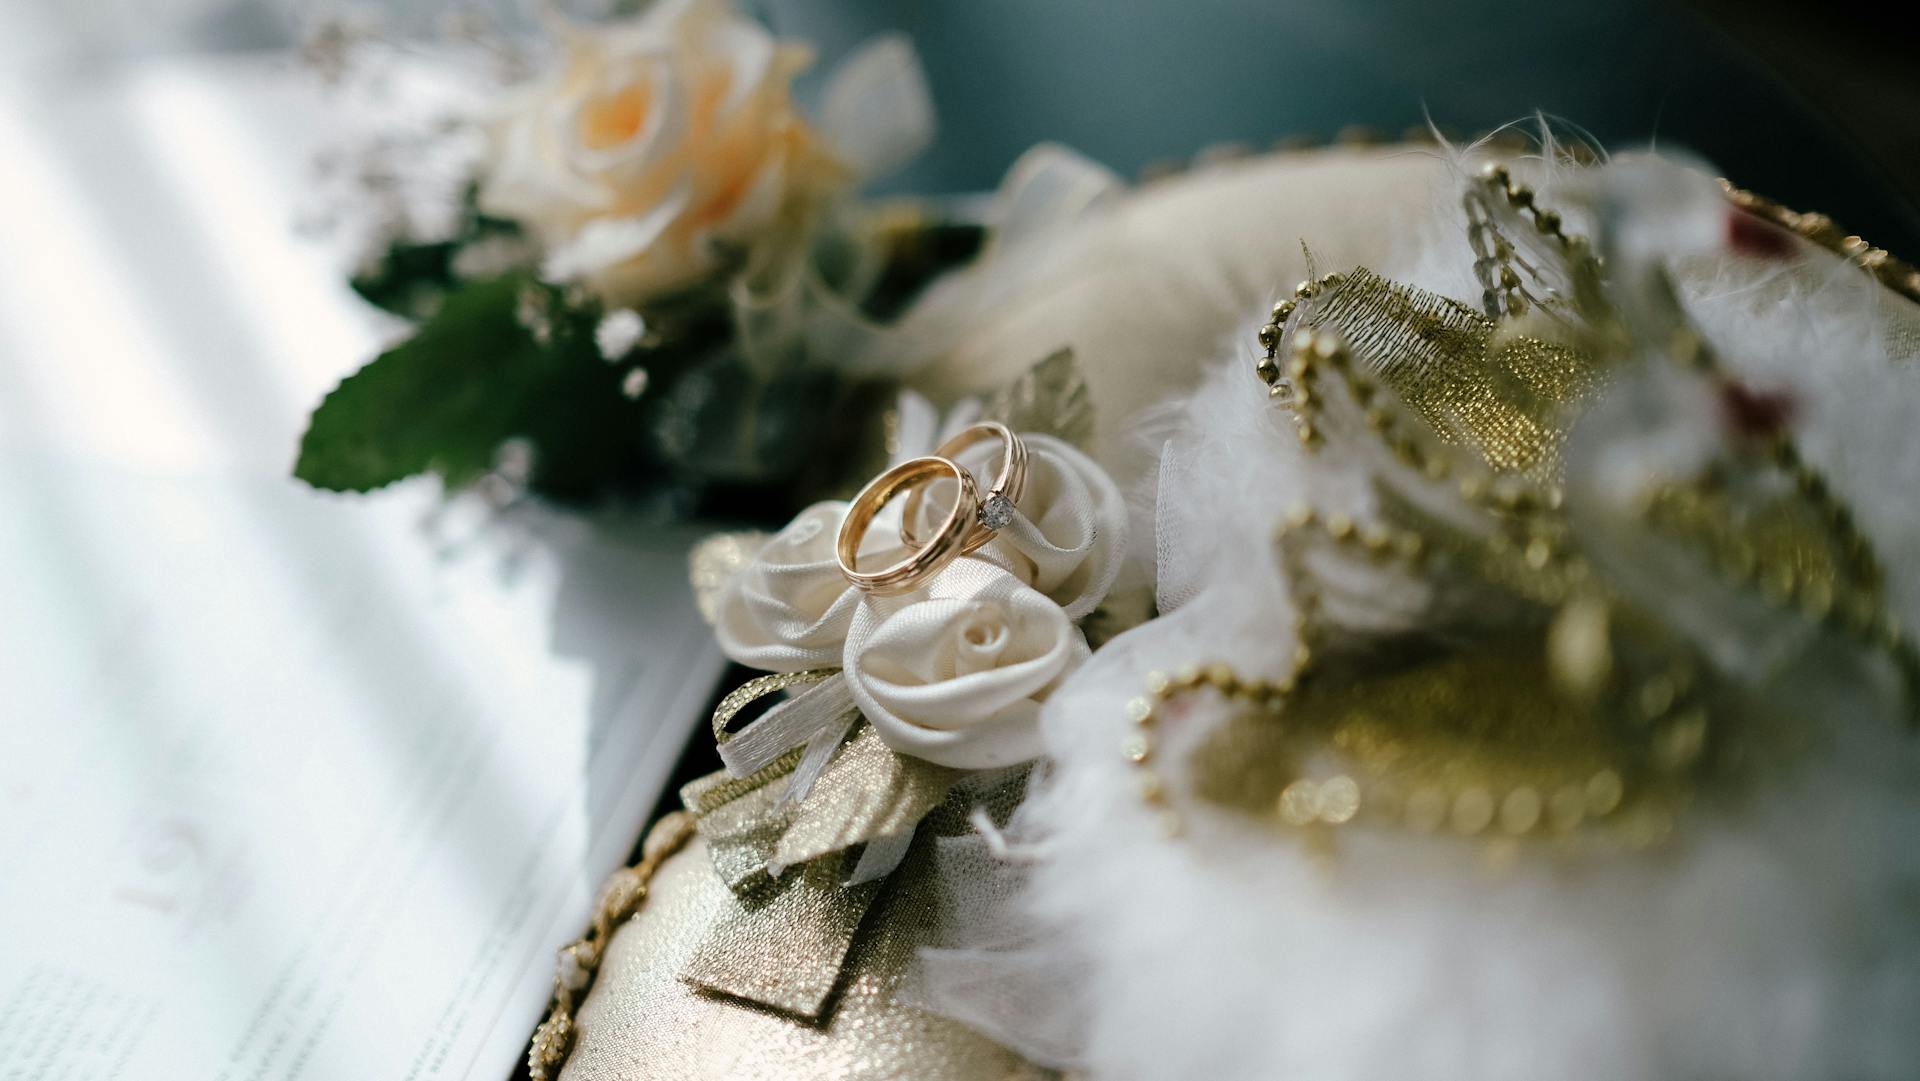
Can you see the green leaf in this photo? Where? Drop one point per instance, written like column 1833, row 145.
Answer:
column 471, row 378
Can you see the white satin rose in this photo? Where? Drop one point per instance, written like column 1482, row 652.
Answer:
column 789, row 610
column 660, row 141
column 956, row 673
column 1069, row 532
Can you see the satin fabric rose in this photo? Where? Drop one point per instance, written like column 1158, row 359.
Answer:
column 659, row 142
column 1069, row 532
column 956, row 673
column 789, row 610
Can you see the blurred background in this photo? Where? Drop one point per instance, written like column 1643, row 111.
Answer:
column 190, row 612
column 1816, row 106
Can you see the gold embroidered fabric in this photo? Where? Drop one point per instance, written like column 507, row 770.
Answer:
column 739, row 823
column 867, row 792
column 1532, row 680
column 641, row 1022
column 783, row 945
column 783, row 942
column 1502, row 395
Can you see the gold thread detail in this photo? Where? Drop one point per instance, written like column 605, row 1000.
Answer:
column 620, row 898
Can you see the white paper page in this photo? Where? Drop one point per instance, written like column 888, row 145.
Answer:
column 291, row 785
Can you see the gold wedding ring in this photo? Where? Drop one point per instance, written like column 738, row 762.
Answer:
column 996, row 507
column 948, row 542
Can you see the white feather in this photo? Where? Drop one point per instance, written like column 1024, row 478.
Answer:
column 1777, row 936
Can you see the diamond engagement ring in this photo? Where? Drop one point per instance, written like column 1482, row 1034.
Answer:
column 997, row 506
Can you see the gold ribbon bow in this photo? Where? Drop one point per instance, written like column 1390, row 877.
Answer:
column 790, row 864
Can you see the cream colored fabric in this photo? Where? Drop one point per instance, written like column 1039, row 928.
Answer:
column 955, row 674
column 641, row 1022
column 790, row 608
column 1146, row 286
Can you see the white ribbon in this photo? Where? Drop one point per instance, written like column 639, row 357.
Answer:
column 818, row 717
column 881, row 856
column 1071, row 526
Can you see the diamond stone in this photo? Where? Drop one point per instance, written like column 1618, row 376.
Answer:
column 996, row 512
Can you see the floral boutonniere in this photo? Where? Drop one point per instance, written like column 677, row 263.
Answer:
column 658, row 268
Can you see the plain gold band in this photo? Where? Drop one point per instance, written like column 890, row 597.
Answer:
column 947, row 545
column 1011, row 483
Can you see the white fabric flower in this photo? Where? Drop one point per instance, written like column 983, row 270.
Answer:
column 658, row 139
column 1069, row 531
column 789, row 610
column 955, row 673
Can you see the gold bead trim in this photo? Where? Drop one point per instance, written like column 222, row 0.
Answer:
column 1522, row 504
column 1664, row 704
column 1374, row 543
column 620, row 898
column 1538, row 537
column 1812, row 485
column 1314, row 352
column 1900, row 276
column 1501, row 271
column 1305, row 366
column 1850, row 603
column 1859, row 611
column 1138, row 745
column 1267, row 369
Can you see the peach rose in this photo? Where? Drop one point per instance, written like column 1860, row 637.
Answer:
column 657, row 144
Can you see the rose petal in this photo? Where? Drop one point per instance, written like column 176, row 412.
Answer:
column 956, row 674
column 749, row 53
column 661, row 131
column 790, row 609
column 658, row 134
column 877, row 112
column 607, row 241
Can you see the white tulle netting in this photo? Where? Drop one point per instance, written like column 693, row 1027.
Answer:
column 989, row 964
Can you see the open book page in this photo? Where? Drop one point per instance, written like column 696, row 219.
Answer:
column 291, row 785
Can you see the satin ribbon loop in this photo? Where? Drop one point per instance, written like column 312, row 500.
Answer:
column 816, row 719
